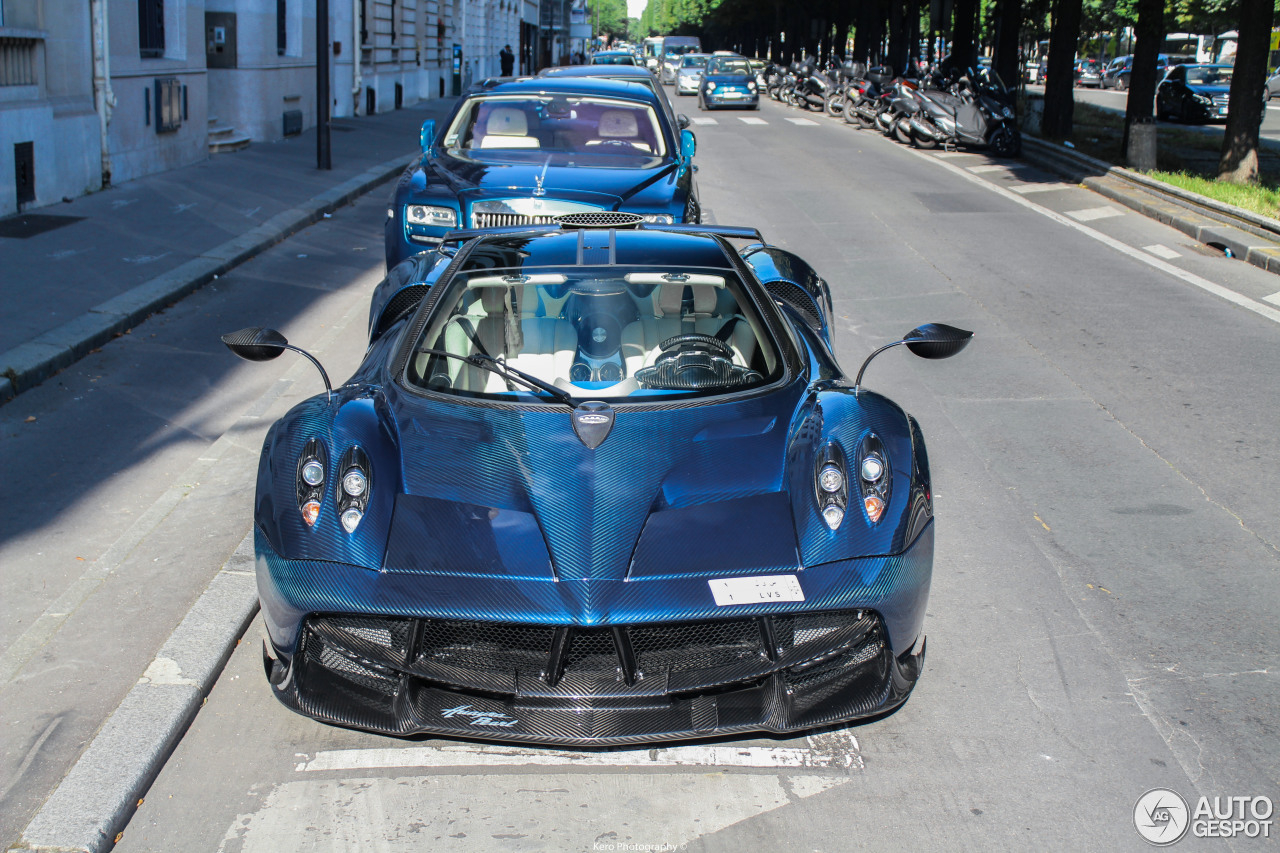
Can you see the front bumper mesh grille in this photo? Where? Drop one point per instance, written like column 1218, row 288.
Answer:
column 595, row 685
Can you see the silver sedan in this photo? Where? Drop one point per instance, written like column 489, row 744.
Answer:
column 689, row 73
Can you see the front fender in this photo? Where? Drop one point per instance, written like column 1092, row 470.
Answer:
column 838, row 415
column 358, row 416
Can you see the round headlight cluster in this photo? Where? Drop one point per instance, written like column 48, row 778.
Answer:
column 831, row 479
column 872, row 468
column 312, row 472
column 354, row 483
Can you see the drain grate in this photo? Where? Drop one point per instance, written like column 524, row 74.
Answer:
column 31, row 224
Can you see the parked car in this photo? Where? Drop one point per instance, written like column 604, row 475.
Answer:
column 1273, row 87
column 613, row 57
column 728, row 82
column 1194, row 93
column 524, row 152
column 593, row 486
column 690, row 72
column 1088, row 73
column 1117, row 76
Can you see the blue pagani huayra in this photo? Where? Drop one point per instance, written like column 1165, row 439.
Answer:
column 595, row 483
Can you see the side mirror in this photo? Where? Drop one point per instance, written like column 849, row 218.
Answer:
column 428, row 135
column 688, row 144
column 258, row 344
column 255, row 344
column 682, row 121
column 937, row 340
column 932, row 340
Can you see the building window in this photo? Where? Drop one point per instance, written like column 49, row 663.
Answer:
column 151, row 28
column 282, row 27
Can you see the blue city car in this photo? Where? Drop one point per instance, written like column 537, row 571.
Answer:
column 1195, row 93
column 526, row 151
column 596, row 485
column 729, row 81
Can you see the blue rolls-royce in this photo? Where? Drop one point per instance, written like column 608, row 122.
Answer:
column 524, row 152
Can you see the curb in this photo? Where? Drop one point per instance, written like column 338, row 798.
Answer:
column 30, row 363
column 1248, row 236
column 95, row 800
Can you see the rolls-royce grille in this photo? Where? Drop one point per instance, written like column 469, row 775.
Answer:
column 506, row 658
column 507, row 220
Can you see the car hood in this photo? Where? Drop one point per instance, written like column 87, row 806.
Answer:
column 1211, row 91
column 562, row 175
column 731, row 79
column 500, row 498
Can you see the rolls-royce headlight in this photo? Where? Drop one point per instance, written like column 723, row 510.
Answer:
column 425, row 214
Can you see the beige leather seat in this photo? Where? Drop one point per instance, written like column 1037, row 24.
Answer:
column 507, row 127
column 620, row 127
column 549, row 340
column 490, row 327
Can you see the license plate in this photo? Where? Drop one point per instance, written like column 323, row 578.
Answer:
column 731, row 94
column 1222, row 111
column 756, row 590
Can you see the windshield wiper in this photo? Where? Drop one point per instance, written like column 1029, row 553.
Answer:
column 506, row 371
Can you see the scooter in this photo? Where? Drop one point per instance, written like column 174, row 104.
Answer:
column 978, row 113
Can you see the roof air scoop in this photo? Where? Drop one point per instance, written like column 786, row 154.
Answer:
column 600, row 219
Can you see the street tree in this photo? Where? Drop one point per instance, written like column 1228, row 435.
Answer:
column 1059, row 98
column 1239, row 162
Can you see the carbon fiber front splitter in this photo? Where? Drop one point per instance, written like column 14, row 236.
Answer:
column 325, row 683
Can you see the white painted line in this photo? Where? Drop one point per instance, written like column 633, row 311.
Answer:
column 1161, row 251
column 949, row 154
column 1123, row 248
column 1092, row 213
column 700, row 120
column 822, row 751
column 1027, row 189
column 1274, row 299
column 978, row 170
column 751, row 120
column 802, row 122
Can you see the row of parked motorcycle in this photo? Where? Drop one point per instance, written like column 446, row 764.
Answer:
column 930, row 109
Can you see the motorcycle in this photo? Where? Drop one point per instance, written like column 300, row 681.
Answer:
column 977, row 113
column 812, row 86
column 864, row 99
column 844, row 75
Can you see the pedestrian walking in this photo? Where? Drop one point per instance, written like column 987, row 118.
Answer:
column 507, row 60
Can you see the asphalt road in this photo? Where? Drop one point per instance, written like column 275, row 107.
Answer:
column 1103, row 618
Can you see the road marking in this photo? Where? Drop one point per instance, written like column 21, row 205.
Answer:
column 751, row 120
column 978, row 170
column 836, row 750
column 1092, row 213
column 1027, row 189
column 1274, row 299
column 950, row 154
column 803, row 122
column 520, row 811
column 1192, row 279
column 705, row 121
column 1162, row 251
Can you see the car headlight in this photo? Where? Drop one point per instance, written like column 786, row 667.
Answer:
column 353, row 500
column 751, row 84
column 425, row 214
column 658, row 218
column 1203, row 99
column 711, row 86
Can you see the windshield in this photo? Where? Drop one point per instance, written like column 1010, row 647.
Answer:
column 729, row 66
column 1209, row 75
column 693, row 62
column 681, row 50
column 613, row 59
column 600, row 333
column 542, row 124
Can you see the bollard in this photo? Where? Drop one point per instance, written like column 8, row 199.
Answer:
column 1142, row 145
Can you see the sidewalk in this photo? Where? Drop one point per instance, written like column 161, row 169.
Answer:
column 109, row 259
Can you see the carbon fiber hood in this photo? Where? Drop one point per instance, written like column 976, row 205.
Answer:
column 671, row 493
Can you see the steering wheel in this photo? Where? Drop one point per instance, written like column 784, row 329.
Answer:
column 702, row 342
